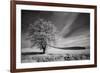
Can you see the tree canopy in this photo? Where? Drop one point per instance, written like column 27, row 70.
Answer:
column 41, row 33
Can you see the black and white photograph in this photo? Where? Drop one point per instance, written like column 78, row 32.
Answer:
column 50, row 36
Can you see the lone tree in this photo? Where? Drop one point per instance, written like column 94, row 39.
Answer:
column 41, row 33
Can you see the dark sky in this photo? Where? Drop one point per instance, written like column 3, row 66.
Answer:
column 66, row 22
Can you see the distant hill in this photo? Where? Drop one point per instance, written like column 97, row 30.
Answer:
column 70, row 48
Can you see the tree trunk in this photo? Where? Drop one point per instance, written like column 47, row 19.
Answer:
column 44, row 45
column 44, row 48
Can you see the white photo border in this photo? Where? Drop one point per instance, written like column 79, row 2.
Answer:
column 20, row 65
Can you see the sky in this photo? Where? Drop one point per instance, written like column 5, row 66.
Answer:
column 73, row 28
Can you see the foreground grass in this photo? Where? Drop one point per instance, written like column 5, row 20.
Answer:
column 53, row 57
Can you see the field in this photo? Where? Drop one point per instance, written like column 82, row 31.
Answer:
column 53, row 57
column 54, row 54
